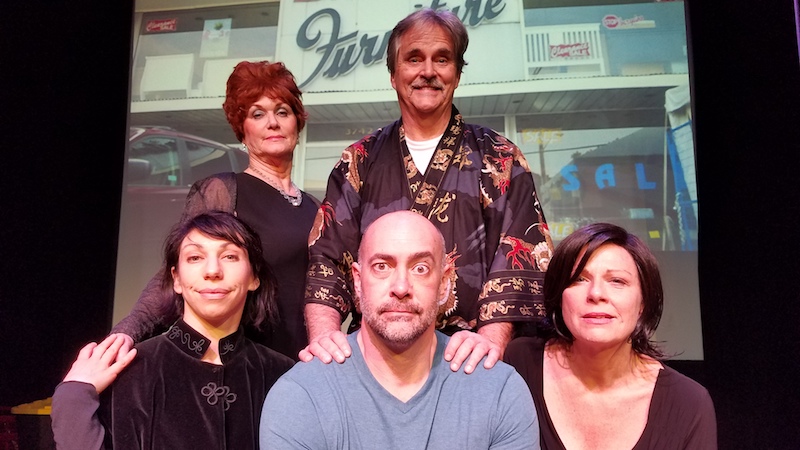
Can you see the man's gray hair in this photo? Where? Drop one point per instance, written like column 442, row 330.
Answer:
column 443, row 18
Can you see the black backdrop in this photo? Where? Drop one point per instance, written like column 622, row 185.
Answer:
column 63, row 102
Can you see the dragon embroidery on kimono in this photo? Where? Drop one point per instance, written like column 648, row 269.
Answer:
column 326, row 215
column 451, row 299
column 351, row 156
column 520, row 252
column 499, row 169
column 440, row 206
column 324, row 294
column 489, row 309
column 411, row 168
column 441, row 159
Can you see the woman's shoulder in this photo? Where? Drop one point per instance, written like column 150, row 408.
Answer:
column 679, row 384
column 312, row 198
column 681, row 414
column 524, row 351
column 214, row 192
column 150, row 349
column 526, row 344
column 217, row 180
column 680, row 394
column 268, row 356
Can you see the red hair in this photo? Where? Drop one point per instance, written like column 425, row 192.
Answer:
column 252, row 80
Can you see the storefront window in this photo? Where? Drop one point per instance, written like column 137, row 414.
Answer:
column 606, row 40
column 190, row 53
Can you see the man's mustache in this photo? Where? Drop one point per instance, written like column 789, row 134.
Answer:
column 400, row 306
column 435, row 84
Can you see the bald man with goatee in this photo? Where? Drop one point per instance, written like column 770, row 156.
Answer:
column 396, row 390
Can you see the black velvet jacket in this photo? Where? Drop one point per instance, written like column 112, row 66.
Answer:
column 169, row 398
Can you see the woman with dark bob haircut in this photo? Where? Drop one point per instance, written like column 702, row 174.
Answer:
column 260, row 309
column 594, row 372
column 202, row 383
column 265, row 110
column 565, row 269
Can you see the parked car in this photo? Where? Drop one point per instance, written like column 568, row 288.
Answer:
column 164, row 157
column 162, row 164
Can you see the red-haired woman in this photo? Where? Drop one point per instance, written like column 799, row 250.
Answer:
column 264, row 108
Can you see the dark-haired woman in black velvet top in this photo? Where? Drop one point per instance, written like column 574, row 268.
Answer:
column 200, row 385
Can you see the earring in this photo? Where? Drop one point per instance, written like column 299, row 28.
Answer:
column 554, row 324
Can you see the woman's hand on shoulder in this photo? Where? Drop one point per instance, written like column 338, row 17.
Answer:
column 99, row 364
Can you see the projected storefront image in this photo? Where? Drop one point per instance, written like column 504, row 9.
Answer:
column 596, row 94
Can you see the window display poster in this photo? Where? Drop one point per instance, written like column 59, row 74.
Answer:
column 216, row 38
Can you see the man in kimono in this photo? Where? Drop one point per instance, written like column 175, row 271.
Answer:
column 473, row 184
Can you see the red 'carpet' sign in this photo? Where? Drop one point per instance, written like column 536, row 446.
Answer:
column 563, row 51
column 155, row 26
